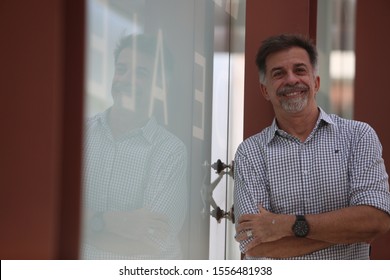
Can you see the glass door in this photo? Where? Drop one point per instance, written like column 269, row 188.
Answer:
column 164, row 94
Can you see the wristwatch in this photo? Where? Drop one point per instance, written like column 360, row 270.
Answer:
column 300, row 227
column 97, row 222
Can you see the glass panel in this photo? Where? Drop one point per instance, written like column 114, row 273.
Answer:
column 336, row 45
column 228, row 95
column 148, row 134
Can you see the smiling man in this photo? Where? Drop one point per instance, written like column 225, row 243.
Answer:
column 312, row 185
column 135, row 184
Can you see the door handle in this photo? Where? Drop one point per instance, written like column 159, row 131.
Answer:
column 208, row 188
column 219, row 166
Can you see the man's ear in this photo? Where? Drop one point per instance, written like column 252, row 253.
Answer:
column 317, row 83
column 264, row 91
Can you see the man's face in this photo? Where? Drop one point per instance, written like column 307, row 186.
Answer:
column 131, row 85
column 290, row 83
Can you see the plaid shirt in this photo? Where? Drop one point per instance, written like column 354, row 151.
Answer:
column 339, row 165
column 145, row 168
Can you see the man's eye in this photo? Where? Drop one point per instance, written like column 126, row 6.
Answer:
column 300, row 70
column 277, row 74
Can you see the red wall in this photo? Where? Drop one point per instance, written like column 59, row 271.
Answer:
column 263, row 19
column 41, row 105
column 372, row 97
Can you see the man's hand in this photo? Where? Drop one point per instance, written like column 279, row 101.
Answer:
column 137, row 224
column 130, row 233
column 263, row 227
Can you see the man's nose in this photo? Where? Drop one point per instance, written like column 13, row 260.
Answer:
column 291, row 78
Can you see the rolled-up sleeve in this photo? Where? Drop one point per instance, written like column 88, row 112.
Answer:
column 369, row 179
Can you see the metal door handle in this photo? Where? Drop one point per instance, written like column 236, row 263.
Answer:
column 208, row 188
column 219, row 166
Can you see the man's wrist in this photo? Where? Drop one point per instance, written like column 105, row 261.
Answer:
column 287, row 224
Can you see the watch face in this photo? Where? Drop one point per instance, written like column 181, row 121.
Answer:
column 301, row 228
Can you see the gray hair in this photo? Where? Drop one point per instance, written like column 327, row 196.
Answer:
column 283, row 42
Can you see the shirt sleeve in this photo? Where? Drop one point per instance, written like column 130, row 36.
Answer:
column 167, row 191
column 250, row 184
column 369, row 180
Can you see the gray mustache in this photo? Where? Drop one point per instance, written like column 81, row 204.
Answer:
column 121, row 87
column 289, row 89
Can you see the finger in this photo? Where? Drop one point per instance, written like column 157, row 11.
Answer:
column 262, row 209
column 243, row 226
column 158, row 223
column 146, row 214
column 162, row 235
column 155, row 216
column 241, row 236
column 247, row 217
column 160, row 217
column 159, row 227
column 244, row 236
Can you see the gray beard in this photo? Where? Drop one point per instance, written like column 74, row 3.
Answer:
column 296, row 105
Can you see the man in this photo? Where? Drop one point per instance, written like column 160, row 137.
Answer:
column 135, row 170
column 311, row 185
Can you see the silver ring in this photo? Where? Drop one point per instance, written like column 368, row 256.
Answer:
column 249, row 233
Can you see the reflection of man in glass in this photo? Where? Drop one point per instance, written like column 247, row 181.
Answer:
column 135, row 170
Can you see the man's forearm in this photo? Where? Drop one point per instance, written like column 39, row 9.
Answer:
column 344, row 226
column 349, row 225
column 287, row 247
column 116, row 244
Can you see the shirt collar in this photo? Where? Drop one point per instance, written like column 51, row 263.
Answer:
column 325, row 117
column 148, row 131
column 322, row 118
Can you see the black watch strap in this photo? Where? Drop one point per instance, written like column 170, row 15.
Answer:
column 300, row 227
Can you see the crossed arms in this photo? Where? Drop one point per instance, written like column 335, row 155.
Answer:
column 273, row 236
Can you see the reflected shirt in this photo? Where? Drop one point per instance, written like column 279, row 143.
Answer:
column 145, row 168
column 339, row 165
